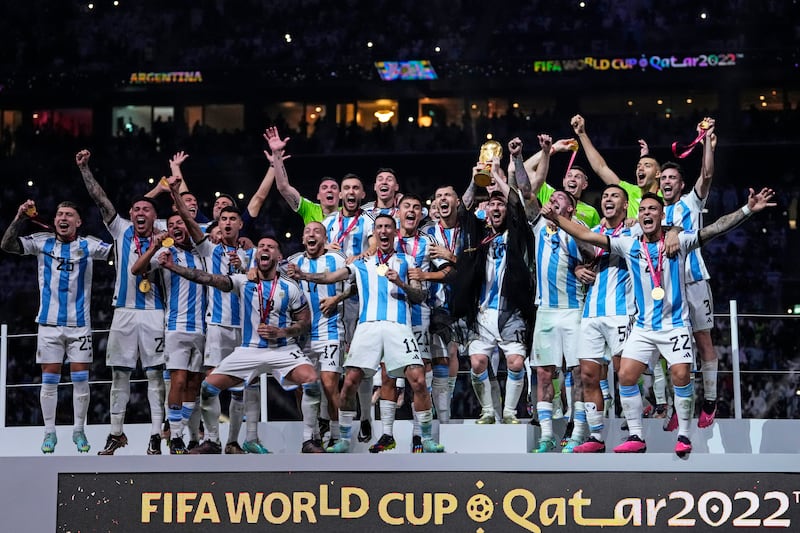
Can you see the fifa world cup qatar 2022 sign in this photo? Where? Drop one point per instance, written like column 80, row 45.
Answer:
column 480, row 502
column 655, row 62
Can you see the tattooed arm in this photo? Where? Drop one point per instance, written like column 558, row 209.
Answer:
column 755, row 203
column 323, row 278
column 218, row 281
column 10, row 241
column 97, row 193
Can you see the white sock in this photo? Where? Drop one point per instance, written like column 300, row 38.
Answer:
column 594, row 419
column 120, row 394
column 483, row 390
column 659, row 384
column 209, row 403
column 252, row 411
column 48, row 399
column 709, row 369
column 155, row 397
column 80, row 398
column 544, row 412
column 346, row 424
column 440, row 393
column 309, row 407
column 514, row 385
column 684, row 406
column 631, row 400
column 235, row 414
column 580, row 426
column 388, row 413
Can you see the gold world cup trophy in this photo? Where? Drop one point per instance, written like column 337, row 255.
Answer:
column 489, row 150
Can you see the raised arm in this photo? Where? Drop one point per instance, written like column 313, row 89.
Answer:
column 175, row 169
column 520, row 174
column 540, row 175
column 596, row 161
column 579, row 231
column 219, row 281
column 532, row 163
column 468, row 198
column 703, row 184
column 755, row 203
column 142, row 264
column 97, row 193
column 278, row 147
column 10, row 241
column 260, row 196
column 195, row 232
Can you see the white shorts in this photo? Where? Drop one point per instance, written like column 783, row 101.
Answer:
column 701, row 305
column 423, row 337
column 555, row 337
column 675, row 345
column 54, row 342
column 488, row 337
column 136, row 334
column 221, row 341
column 603, row 337
column 248, row 363
column 326, row 356
column 184, row 351
column 388, row 342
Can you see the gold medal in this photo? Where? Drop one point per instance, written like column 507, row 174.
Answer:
column 382, row 269
column 657, row 293
column 168, row 242
column 31, row 212
column 550, row 230
column 704, row 125
column 164, row 182
column 144, row 286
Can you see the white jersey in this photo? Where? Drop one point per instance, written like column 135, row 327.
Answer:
column 351, row 233
column 323, row 327
column 451, row 239
column 267, row 302
column 492, row 284
column 687, row 213
column 557, row 255
column 186, row 300
column 223, row 307
column 379, row 298
column 418, row 249
column 672, row 311
column 127, row 248
column 611, row 294
column 65, row 277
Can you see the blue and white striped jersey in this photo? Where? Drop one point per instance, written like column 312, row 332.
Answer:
column 557, row 255
column 272, row 304
column 323, row 327
column 65, row 277
column 224, row 308
column 351, row 233
column 611, row 294
column 673, row 310
column 492, row 283
column 451, row 239
column 380, row 299
column 127, row 249
column 417, row 248
column 688, row 214
column 186, row 300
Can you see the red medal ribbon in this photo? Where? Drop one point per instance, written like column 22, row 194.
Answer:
column 384, row 259
column 655, row 275
column 447, row 242
column 266, row 307
column 402, row 243
column 489, row 238
column 680, row 151
column 615, row 233
column 343, row 233
column 571, row 160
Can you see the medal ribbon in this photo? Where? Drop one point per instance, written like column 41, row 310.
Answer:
column 447, row 242
column 615, row 233
column 266, row 307
column 227, row 252
column 572, row 157
column 489, row 238
column 401, row 241
column 343, row 233
column 655, row 275
column 681, row 151
column 383, row 259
